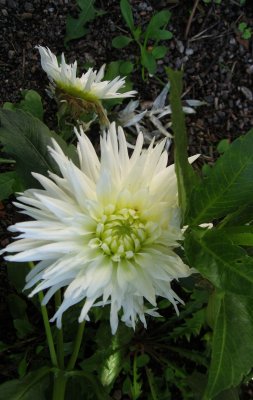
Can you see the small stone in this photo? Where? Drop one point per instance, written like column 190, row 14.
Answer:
column 247, row 92
column 180, row 46
column 26, row 15
column 11, row 54
column 11, row 4
column 28, row 7
column 5, row 12
column 189, row 52
column 249, row 70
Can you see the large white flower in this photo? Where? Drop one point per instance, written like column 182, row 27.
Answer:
column 105, row 231
column 89, row 87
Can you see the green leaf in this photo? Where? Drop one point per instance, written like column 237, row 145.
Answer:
column 16, row 274
column 240, row 235
column 159, row 51
column 232, row 350
column 242, row 26
column 121, row 41
column 126, row 67
column 148, row 61
column 7, row 184
column 23, row 327
column 223, row 146
column 127, row 14
column 229, row 184
column 161, row 34
column 31, row 387
column 31, row 103
column 26, row 139
column 96, row 386
column 17, row 306
column 186, row 177
column 158, row 20
column 75, row 27
column 226, row 265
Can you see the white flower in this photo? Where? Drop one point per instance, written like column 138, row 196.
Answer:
column 105, row 231
column 88, row 87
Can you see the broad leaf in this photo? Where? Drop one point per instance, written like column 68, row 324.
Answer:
column 31, row 103
column 185, row 174
column 226, row 265
column 31, row 387
column 232, row 350
column 159, row 51
column 127, row 14
column 160, row 34
column 121, row 41
column 7, row 184
column 229, row 184
column 26, row 139
column 241, row 235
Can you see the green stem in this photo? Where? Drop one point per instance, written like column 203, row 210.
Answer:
column 60, row 342
column 60, row 381
column 49, row 336
column 77, row 344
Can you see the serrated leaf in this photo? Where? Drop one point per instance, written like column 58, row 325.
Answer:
column 229, row 184
column 121, row 41
column 232, row 350
column 158, row 20
column 186, row 177
column 31, row 103
column 127, row 14
column 226, row 265
column 26, row 139
column 31, row 387
column 75, row 27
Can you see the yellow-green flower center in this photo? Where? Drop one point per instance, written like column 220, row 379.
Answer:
column 120, row 235
column 77, row 92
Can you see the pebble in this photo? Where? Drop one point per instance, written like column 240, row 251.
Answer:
column 11, row 54
column 28, row 7
column 249, row 70
column 247, row 92
column 189, row 52
column 5, row 12
column 11, row 4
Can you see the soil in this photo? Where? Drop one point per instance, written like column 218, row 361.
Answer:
column 217, row 64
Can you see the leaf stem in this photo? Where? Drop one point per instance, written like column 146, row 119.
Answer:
column 47, row 327
column 48, row 331
column 60, row 381
column 77, row 345
column 59, row 340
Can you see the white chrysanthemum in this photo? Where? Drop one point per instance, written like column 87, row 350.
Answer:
column 105, row 231
column 88, row 87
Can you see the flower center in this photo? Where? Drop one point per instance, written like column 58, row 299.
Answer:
column 120, row 235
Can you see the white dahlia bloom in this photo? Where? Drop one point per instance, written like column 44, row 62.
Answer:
column 105, row 230
column 89, row 87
